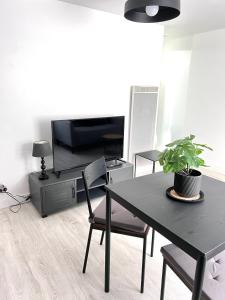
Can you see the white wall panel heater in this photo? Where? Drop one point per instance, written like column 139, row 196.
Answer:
column 142, row 121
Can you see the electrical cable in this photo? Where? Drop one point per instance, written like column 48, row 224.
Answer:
column 19, row 203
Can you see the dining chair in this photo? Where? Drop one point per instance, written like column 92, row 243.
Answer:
column 184, row 266
column 122, row 221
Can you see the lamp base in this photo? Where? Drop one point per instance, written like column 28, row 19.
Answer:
column 43, row 177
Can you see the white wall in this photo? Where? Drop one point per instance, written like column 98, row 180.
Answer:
column 201, row 108
column 205, row 112
column 173, row 89
column 59, row 60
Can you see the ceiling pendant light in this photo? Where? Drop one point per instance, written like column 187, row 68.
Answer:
column 151, row 11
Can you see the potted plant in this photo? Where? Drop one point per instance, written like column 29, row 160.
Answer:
column 181, row 157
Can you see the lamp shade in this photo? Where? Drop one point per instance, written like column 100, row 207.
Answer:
column 162, row 10
column 41, row 149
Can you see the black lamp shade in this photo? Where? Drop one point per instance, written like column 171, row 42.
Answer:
column 41, row 149
column 135, row 10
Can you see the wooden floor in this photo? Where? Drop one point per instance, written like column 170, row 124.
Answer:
column 42, row 259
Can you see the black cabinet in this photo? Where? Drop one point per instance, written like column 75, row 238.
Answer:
column 55, row 194
column 58, row 196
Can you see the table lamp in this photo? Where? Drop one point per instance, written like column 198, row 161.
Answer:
column 42, row 149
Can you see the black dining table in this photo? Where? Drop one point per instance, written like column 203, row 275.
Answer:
column 197, row 228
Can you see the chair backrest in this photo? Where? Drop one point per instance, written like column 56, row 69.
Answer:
column 91, row 173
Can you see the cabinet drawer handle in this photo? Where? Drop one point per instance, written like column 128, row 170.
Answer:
column 73, row 192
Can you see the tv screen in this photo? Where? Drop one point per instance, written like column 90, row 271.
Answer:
column 79, row 142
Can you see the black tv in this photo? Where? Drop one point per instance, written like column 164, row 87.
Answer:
column 78, row 142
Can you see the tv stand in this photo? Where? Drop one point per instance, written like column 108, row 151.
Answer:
column 67, row 189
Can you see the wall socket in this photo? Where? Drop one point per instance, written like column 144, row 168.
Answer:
column 3, row 188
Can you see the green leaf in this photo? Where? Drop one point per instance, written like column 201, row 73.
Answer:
column 173, row 143
column 204, row 146
column 182, row 154
column 198, row 151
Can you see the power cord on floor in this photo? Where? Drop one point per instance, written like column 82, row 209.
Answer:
column 16, row 207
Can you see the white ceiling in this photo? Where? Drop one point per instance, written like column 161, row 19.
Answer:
column 196, row 15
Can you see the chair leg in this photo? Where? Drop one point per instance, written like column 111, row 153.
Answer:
column 102, row 237
column 152, row 244
column 163, row 280
column 143, row 264
column 87, row 249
